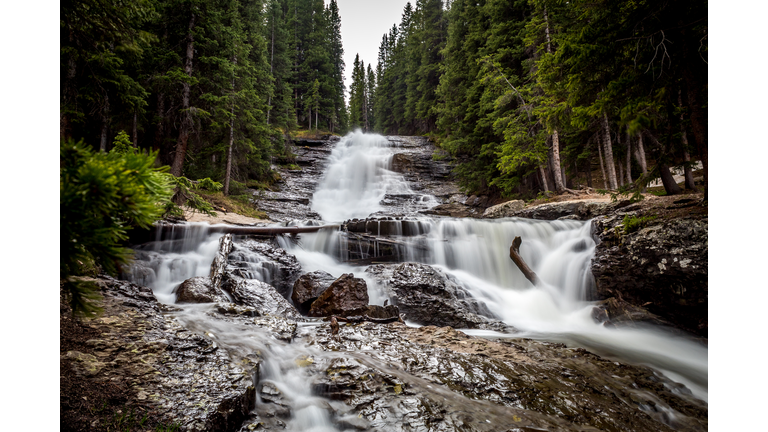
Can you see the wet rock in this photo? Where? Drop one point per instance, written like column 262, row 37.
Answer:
column 265, row 261
column 402, row 163
column 439, row 379
column 347, row 296
column 308, row 288
column 220, row 260
column 199, row 290
column 581, row 210
column 506, row 209
column 454, row 210
column 662, row 268
column 428, row 296
column 177, row 375
column 613, row 312
column 382, row 312
column 260, row 296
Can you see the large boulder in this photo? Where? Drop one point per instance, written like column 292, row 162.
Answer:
column 265, row 261
column 308, row 288
column 454, row 210
column 662, row 267
column 581, row 210
column 260, row 296
column 428, row 296
column 505, row 209
column 347, row 296
column 199, row 290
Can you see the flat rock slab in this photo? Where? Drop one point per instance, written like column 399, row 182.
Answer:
column 179, row 376
column 397, row 378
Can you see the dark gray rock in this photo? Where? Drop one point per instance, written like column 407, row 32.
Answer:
column 428, row 296
column 308, row 288
column 199, row 290
column 455, row 210
column 347, row 296
column 581, row 210
column 260, row 296
column 439, row 379
column 176, row 374
column 662, row 267
column 265, row 261
column 505, row 209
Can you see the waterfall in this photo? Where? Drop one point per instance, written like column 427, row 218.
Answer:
column 474, row 252
column 358, row 177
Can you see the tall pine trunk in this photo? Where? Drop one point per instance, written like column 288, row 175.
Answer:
column 104, row 123
column 556, row 170
column 228, row 172
column 186, row 123
column 694, row 84
column 629, row 158
column 543, row 175
column 160, row 129
column 640, row 157
column 135, row 130
column 271, row 63
column 602, row 165
column 689, row 183
column 608, row 147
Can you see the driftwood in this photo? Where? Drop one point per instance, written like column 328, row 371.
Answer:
column 514, row 253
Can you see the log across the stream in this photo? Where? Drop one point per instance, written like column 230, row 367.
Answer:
column 514, row 253
column 251, row 230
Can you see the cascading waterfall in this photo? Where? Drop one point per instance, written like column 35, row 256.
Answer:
column 475, row 252
column 358, row 177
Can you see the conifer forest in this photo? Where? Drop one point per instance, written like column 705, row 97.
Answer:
column 524, row 95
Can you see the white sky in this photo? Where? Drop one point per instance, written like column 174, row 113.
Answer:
column 363, row 23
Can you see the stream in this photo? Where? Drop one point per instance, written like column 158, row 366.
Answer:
column 358, row 183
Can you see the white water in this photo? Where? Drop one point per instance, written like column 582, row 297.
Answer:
column 475, row 252
column 358, row 177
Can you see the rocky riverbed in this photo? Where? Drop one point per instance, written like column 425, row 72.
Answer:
column 239, row 351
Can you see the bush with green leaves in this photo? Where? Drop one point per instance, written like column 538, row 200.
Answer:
column 102, row 196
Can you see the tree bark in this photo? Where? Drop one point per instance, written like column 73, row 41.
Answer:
column 695, row 85
column 609, row 153
column 559, row 186
column 135, row 130
column 602, row 165
column 640, row 157
column 104, row 123
column 668, row 180
column 514, row 254
column 543, row 178
column 228, row 172
column 629, row 158
column 689, row 183
column 186, row 123
column 160, row 129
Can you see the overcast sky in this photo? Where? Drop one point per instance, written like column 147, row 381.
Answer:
column 363, row 23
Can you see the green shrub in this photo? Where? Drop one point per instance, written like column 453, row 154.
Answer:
column 122, row 144
column 632, row 223
column 236, row 188
column 183, row 194
column 102, row 196
column 209, row 185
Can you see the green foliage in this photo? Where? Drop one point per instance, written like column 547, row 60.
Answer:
column 102, row 196
column 236, row 188
column 633, row 223
column 184, row 195
column 208, row 184
column 122, row 144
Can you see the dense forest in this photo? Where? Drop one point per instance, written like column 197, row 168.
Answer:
column 529, row 95
column 213, row 86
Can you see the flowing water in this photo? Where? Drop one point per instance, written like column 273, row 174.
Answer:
column 475, row 252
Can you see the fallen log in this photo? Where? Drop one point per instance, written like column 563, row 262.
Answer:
column 251, row 230
column 514, row 253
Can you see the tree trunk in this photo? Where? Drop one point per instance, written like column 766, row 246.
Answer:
column 186, row 123
column 695, row 85
column 69, row 96
column 310, row 118
column 621, row 172
column 670, row 186
column 543, row 178
column 602, row 165
column 629, row 158
column 609, row 153
column 271, row 63
column 514, row 254
column 559, row 186
column 160, row 129
column 135, row 130
column 104, row 123
column 689, row 183
column 228, row 172
column 640, row 156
